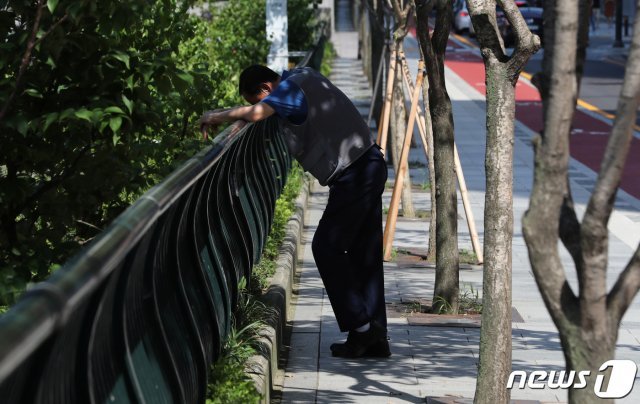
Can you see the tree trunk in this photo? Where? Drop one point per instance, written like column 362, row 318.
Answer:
column 378, row 35
column 398, row 131
column 434, row 48
column 501, row 75
column 584, row 351
column 587, row 324
column 399, row 115
column 495, row 334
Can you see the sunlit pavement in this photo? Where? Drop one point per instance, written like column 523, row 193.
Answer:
column 430, row 361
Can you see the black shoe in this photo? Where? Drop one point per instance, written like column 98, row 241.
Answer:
column 372, row 342
column 380, row 349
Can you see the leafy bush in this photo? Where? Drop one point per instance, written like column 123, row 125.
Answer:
column 301, row 23
column 329, row 53
column 229, row 381
column 103, row 108
column 231, row 384
column 95, row 110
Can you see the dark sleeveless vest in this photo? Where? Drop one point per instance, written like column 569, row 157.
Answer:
column 334, row 134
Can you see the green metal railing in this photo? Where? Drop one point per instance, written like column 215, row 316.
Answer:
column 141, row 313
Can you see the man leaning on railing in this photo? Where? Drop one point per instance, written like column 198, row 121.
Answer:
column 326, row 134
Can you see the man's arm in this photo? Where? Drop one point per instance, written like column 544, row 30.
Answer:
column 250, row 113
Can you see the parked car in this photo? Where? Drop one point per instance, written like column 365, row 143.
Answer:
column 533, row 18
column 501, row 20
column 461, row 17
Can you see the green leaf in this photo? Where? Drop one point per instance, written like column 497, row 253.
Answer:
column 185, row 77
column 123, row 57
column 114, row 110
column 103, row 125
column 51, row 5
column 115, row 123
column 22, row 126
column 50, row 119
column 130, row 82
column 128, row 103
column 33, row 92
column 84, row 114
column 66, row 113
column 115, row 138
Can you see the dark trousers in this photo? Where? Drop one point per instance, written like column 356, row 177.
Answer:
column 347, row 245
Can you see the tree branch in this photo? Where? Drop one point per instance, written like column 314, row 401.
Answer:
column 25, row 58
column 541, row 225
column 483, row 18
column 50, row 30
column 423, row 9
column 526, row 43
column 397, row 9
column 407, row 9
column 57, row 179
column 601, row 202
column 570, row 228
column 442, row 27
column 401, row 18
column 625, row 289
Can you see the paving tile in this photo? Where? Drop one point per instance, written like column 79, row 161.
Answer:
column 441, row 361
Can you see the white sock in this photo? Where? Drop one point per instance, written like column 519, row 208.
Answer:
column 364, row 328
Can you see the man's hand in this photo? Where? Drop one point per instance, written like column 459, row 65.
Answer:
column 250, row 113
column 209, row 121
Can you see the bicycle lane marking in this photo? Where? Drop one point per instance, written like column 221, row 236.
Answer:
column 588, row 137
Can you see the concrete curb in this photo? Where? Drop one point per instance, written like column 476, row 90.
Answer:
column 263, row 368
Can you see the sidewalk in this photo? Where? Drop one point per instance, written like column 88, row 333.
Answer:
column 439, row 361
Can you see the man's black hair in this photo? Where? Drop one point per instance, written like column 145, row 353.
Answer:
column 253, row 76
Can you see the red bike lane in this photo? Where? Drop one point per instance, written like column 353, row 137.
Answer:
column 588, row 137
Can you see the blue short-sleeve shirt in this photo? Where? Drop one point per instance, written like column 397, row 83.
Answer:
column 288, row 101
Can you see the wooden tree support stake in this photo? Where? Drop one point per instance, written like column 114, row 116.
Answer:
column 422, row 126
column 383, row 130
column 392, row 215
column 475, row 241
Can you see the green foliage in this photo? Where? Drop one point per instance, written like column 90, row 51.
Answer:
column 234, row 39
column 231, row 384
column 327, row 59
column 229, row 381
column 285, row 207
column 104, row 109
column 98, row 115
column 469, row 302
column 468, row 256
column 301, row 24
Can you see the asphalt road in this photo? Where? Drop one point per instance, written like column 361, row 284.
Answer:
column 603, row 74
column 592, row 120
